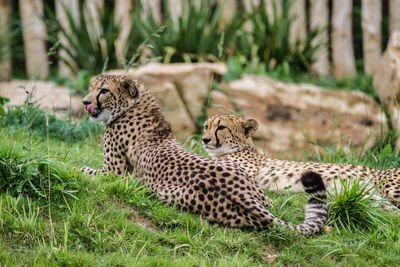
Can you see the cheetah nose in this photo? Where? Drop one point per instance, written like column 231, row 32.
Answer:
column 206, row 140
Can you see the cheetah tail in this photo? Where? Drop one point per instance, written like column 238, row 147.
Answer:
column 316, row 213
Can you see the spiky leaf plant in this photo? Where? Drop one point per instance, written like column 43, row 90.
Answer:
column 85, row 48
column 352, row 206
column 197, row 35
column 269, row 39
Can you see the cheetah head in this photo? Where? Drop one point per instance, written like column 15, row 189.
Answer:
column 227, row 133
column 110, row 96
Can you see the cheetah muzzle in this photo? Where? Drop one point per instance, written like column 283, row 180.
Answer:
column 139, row 140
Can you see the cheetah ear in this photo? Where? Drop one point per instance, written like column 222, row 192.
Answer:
column 250, row 126
column 130, row 85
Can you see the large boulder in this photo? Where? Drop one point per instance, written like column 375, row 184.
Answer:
column 296, row 118
column 180, row 88
column 47, row 94
column 387, row 81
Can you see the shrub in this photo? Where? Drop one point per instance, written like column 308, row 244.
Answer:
column 198, row 35
column 30, row 116
column 269, row 39
column 85, row 49
column 352, row 206
column 29, row 171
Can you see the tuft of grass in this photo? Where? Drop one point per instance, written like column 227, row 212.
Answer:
column 28, row 170
column 30, row 116
column 352, row 206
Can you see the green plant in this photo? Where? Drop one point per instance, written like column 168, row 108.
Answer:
column 86, row 49
column 352, row 206
column 29, row 116
column 197, row 36
column 3, row 101
column 29, row 171
column 268, row 39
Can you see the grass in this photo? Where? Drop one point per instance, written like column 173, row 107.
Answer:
column 51, row 214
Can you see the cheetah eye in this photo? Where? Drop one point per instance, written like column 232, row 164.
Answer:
column 205, row 127
column 104, row 91
column 221, row 127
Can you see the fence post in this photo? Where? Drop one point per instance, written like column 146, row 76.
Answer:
column 298, row 15
column 371, row 14
column 61, row 7
column 123, row 10
column 319, row 19
column 342, row 41
column 94, row 7
column 394, row 15
column 175, row 8
column 228, row 9
column 5, row 51
column 268, row 5
column 34, row 34
column 154, row 6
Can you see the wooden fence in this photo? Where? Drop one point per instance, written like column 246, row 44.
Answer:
column 335, row 15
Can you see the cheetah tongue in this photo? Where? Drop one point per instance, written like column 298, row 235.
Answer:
column 89, row 108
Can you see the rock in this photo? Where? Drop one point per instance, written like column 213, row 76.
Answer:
column 47, row 94
column 294, row 117
column 387, row 81
column 180, row 88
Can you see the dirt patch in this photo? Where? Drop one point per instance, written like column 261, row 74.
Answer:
column 136, row 216
column 139, row 218
column 270, row 255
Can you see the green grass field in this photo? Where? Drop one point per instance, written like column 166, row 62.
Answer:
column 52, row 215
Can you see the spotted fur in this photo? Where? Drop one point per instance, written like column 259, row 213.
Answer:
column 138, row 139
column 230, row 137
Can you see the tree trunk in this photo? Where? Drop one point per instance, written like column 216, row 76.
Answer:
column 5, row 50
column 298, row 27
column 154, row 6
column 371, row 13
column 34, row 34
column 61, row 7
column 248, row 7
column 342, row 42
column 228, row 9
column 319, row 19
column 123, row 10
column 394, row 15
column 175, row 8
column 94, row 8
column 268, row 5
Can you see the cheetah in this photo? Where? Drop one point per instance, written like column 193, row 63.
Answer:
column 138, row 140
column 228, row 136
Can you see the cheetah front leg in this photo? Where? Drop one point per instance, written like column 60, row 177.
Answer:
column 92, row 171
column 113, row 163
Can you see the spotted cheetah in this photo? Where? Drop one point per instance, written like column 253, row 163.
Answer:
column 138, row 139
column 229, row 136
